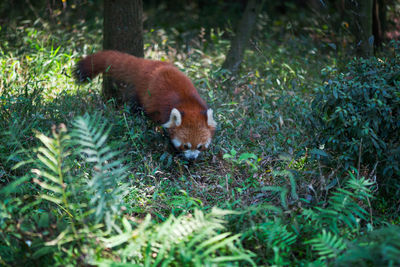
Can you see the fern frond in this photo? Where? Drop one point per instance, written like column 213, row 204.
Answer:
column 186, row 240
column 90, row 134
column 277, row 235
column 345, row 206
column 51, row 168
column 328, row 245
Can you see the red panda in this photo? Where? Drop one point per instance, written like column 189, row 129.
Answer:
column 166, row 94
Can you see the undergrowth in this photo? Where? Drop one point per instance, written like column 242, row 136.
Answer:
column 87, row 183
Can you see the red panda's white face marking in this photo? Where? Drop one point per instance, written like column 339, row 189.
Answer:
column 191, row 154
column 176, row 143
column 188, row 137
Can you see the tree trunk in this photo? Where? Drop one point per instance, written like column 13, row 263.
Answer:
column 122, row 31
column 242, row 36
column 379, row 23
column 364, row 33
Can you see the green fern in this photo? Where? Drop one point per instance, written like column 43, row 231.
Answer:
column 278, row 236
column 343, row 207
column 279, row 241
column 193, row 240
column 52, row 169
column 52, row 174
column 105, row 186
column 325, row 230
column 327, row 245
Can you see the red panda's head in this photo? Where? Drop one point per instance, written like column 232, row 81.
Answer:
column 191, row 132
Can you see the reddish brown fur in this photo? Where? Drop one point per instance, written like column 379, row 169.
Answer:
column 159, row 87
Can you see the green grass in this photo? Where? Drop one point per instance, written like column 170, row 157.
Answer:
column 261, row 163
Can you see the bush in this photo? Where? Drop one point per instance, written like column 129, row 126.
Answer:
column 357, row 114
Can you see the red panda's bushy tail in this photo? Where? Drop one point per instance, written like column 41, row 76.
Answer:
column 113, row 63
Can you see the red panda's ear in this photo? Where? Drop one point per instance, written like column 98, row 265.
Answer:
column 175, row 119
column 210, row 120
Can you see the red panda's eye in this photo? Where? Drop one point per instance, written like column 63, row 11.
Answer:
column 185, row 146
column 200, row 146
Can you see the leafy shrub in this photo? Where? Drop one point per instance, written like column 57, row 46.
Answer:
column 378, row 248
column 358, row 114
